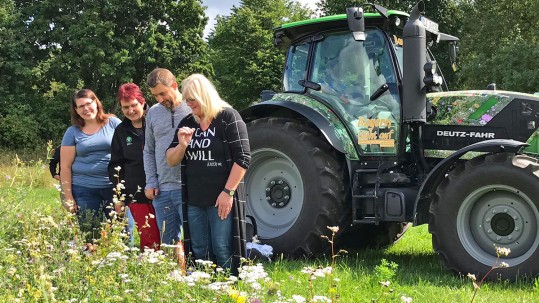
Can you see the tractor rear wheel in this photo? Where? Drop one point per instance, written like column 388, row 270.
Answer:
column 487, row 203
column 294, row 186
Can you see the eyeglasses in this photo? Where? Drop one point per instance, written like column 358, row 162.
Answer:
column 190, row 100
column 85, row 105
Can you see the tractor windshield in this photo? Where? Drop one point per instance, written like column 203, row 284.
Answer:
column 358, row 80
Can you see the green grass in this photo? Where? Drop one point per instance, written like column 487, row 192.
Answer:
column 420, row 275
column 38, row 265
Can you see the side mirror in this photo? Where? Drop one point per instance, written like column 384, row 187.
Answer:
column 453, row 51
column 266, row 95
column 432, row 80
column 356, row 22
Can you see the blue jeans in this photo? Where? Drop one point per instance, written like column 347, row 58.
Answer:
column 168, row 214
column 210, row 236
column 93, row 203
column 130, row 227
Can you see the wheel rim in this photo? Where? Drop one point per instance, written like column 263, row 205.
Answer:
column 501, row 216
column 275, row 192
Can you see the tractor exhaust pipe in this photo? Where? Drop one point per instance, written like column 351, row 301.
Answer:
column 414, row 104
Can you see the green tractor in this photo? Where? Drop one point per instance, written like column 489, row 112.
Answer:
column 365, row 136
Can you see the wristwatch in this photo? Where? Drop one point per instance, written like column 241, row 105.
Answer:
column 229, row 192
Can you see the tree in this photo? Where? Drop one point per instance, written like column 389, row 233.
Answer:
column 106, row 42
column 242, row 52
column 500, row 45
column 17, row 128
column 58, row 46
column 335, row 7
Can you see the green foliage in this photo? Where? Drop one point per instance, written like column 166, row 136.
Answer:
column 500, row 45
column 385, row 271
column 18, row 127
column 334, row 7
column 242, row 51
column 50, row 48
column 106, row 43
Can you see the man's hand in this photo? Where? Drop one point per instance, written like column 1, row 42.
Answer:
column 57, row 177
column 151, row 193
column 224, row 204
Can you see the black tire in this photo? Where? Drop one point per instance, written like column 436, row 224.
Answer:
column 303, row 168
column 486, row 202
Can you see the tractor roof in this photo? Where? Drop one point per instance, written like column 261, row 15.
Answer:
column 292, row 31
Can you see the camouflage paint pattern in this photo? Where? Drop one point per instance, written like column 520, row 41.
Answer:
column 533, row 141
column 471, row 108
column 334, row 121
column 476, row 108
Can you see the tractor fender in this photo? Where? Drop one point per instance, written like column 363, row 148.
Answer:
column 286, row 109
column 438, row 173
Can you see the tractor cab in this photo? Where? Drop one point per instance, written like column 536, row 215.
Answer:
column 358, row 80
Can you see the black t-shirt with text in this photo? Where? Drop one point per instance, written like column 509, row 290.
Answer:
column 210, row 156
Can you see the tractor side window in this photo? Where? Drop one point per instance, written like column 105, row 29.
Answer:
column 296, row 67
column 350, row 74
column 400, row 55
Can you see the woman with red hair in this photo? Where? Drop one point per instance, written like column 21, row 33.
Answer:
column 127, row 165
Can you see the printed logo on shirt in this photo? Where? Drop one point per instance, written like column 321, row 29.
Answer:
column 129, row 140
column 200, row 147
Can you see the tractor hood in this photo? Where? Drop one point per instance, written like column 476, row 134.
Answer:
column 462, row 118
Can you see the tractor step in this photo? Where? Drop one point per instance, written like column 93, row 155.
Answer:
column 373, row 203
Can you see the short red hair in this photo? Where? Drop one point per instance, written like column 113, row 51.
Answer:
column 130, row 91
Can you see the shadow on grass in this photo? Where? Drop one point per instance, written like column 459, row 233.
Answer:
column 426, row 265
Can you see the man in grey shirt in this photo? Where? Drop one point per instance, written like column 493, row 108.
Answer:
column 163, row 181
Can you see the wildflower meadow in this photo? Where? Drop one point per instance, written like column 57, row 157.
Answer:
column 43, row 259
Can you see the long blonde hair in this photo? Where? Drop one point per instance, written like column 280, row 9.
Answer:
column 197, row 86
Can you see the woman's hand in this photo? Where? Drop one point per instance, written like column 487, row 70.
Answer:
column 70, row 205
column 175, row 154
column 224, row 204
column 67, row 157
column 184, row 135
column 119, row 207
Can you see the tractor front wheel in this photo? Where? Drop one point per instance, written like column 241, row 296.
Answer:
column 294, row 186
column 488, row 203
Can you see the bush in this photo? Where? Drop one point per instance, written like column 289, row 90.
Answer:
column 19, row 128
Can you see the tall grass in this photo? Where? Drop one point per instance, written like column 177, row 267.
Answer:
column 42, row 260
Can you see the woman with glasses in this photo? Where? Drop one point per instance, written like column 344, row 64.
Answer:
column 84, row 157
column 213, row 147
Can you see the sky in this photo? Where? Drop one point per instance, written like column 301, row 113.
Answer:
column 222, row 7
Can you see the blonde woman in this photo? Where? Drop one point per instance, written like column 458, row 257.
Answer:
column 213, row 147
